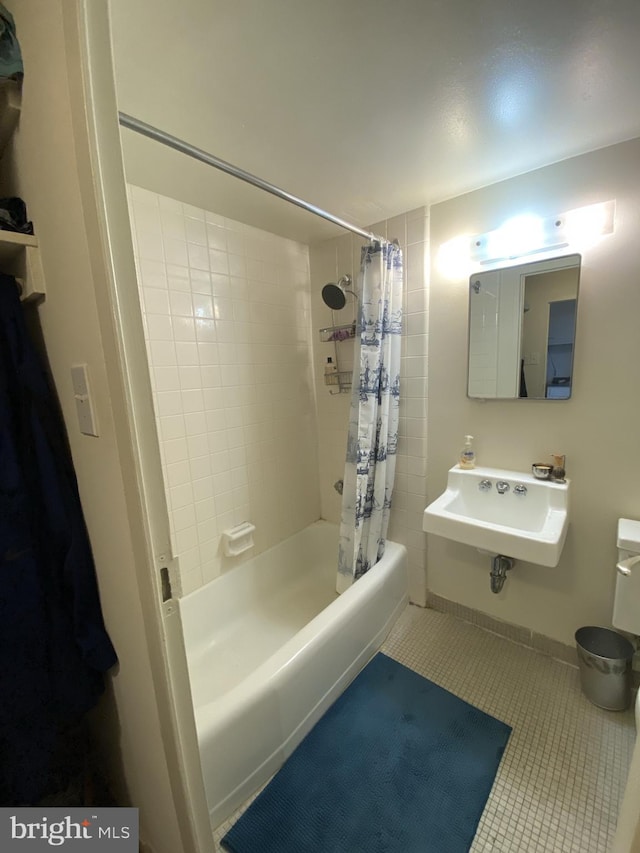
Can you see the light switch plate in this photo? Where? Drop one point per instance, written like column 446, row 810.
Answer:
column 82, row 395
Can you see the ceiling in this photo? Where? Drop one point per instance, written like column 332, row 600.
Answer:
column 369, row 108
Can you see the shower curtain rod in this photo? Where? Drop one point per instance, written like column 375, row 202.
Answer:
column 211, row 160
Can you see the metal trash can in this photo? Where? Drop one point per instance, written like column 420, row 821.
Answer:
column 604, row 657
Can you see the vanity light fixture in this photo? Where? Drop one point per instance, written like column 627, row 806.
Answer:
column 585, row 225
column 531, row 235
column 453, row 258
column 521, row 235
column 526, row 235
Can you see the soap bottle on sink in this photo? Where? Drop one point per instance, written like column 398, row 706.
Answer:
column 467, row 458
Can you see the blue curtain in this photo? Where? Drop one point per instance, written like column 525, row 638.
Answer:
column 373, row 421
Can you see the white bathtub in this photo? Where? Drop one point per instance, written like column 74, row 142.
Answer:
column 270, row 646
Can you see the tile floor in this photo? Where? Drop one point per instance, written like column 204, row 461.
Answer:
column 562, row 777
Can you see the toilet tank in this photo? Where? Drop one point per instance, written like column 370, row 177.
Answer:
column 626, row 604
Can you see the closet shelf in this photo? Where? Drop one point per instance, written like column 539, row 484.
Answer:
column 20, row 257
column 12, row 244
column 19, row 253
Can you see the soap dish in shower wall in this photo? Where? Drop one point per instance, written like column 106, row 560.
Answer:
column 236, row 540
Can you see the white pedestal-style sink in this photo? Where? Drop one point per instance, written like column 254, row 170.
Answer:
column 502, row 512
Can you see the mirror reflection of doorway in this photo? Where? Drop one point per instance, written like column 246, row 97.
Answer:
column 560, row 339
column 548, row 332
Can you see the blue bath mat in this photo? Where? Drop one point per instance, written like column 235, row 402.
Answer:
column 396, row 765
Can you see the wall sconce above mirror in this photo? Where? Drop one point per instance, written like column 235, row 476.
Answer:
column 522, row 324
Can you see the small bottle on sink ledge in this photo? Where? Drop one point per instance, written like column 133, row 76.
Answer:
column 558, row 470
column 467, row 457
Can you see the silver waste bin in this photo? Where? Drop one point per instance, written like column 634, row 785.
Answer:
column 604, row 657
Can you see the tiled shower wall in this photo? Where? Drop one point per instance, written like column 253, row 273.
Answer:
column 226, row 312
column 330, row 261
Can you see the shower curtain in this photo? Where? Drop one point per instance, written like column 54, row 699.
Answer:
column 373, row 420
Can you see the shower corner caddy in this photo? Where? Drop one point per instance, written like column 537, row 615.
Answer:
column 19, row 253
column 340, row 381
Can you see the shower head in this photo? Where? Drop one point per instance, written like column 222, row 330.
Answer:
column 334, row 295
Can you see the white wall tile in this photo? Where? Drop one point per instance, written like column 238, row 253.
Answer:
column 175, row 252
column 159, row 327
column 155, row 301
column 186, row 353
column 181, row 304
column 163, row 353
column 184, row 328
column 187, row 539
column 208, row 336
column 180, row 496
column 196, row 230
column 178, row 278
column 203, row 488
column 198, row 257
column 178, row 474
column 153, row 273
column 195, row 212
column 175, row 450
column 197, row 446
column 183, row 518
column 168, row 403
column 172, row 224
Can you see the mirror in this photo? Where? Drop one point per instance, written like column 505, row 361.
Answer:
column 522, row 324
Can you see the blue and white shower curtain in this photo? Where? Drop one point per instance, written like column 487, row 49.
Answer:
column 373, row 420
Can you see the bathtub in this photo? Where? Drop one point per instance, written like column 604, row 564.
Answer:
column 270, row 646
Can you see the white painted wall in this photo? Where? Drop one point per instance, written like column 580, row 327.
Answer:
column 597, row 428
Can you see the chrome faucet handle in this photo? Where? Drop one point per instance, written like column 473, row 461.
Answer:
column 520, row 490
column 485, row 485
column 502, row 487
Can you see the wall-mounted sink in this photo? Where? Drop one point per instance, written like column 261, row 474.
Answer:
column 502, row 512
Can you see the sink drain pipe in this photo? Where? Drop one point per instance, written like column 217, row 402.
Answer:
column 499, row 567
